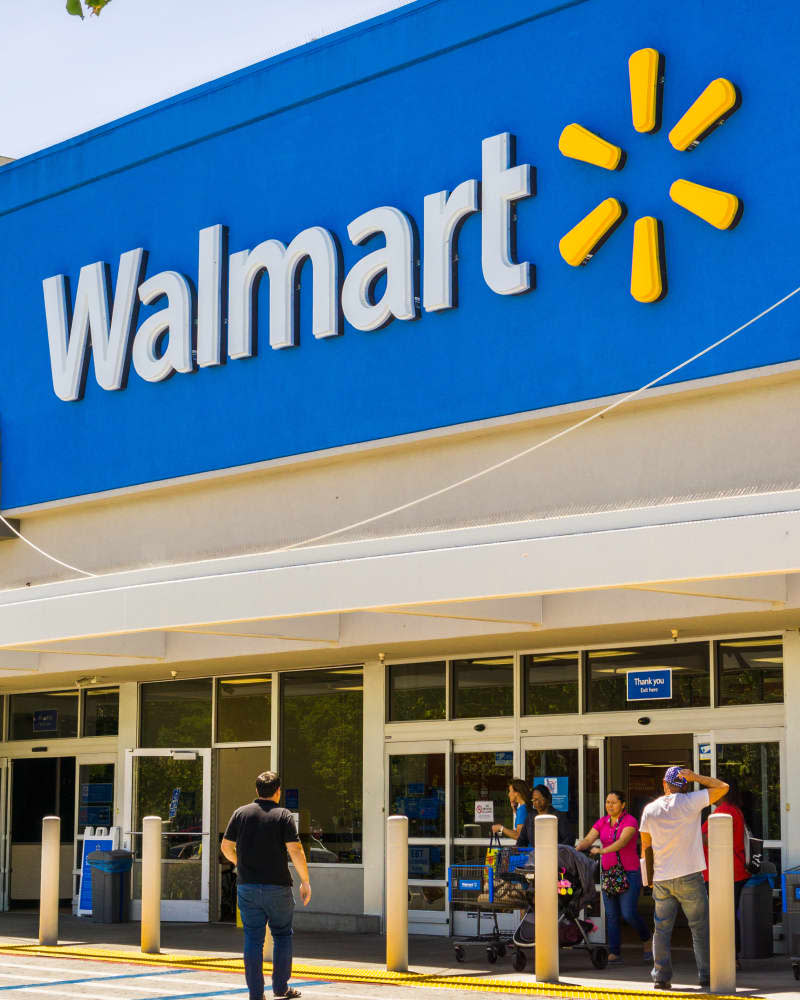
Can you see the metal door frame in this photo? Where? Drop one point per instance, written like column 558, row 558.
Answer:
column 175, row 909
column 77, row 838
column 426, row 921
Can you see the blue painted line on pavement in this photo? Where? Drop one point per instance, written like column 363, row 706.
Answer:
column 240, row 989
column 97, row 979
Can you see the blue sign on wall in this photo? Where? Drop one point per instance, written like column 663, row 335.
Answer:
column 559, row 789
column 45, row 721
column 650, row 685
column 385, row 114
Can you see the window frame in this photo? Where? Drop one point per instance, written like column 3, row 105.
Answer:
column 45, row 737
column 84, row 691
column 717, row 670
column 217, row 744
column 388, row 720
column 580, row 698
column 175, row 680
column 277, row 747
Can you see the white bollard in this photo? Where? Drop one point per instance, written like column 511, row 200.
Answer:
column 722, row 918
column 48, row 885
column 151, row 885
column 545, row 859
column 397, row 894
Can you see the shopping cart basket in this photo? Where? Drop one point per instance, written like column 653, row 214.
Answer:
column 477, row 889
column 790, row 893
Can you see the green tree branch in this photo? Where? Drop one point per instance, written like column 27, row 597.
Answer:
column 93, row 6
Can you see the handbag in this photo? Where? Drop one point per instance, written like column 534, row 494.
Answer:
column 614, row 880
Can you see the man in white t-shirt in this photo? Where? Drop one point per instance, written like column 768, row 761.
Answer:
column 673, row 850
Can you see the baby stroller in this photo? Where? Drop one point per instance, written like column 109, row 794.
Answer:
column 577, row 892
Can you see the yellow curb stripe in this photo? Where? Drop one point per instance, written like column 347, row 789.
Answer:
column 209, row 963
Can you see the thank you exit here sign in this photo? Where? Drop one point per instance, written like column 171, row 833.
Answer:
column 650, row 685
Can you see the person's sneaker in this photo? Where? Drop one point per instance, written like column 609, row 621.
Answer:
column 658, row 985
column 290, row 994
column 705, row 984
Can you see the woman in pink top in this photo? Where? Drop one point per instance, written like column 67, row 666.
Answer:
column 618, row 832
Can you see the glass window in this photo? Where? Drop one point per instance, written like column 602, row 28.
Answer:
column 481, row 776
column 243, row 709
column 322, row 714
column 426, row 862
column 557, row 770
column 44, row 715
column 417, row 790
column 176, row 714
column 100, row 715
column 750, row 671
column 483, row 688
column 172, row 789
column 416, row 691
column 550, row 683
column 95, row 795
column 753, row 770
column 607, row 670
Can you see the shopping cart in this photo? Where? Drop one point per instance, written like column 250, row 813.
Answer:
column 480, row 890
column 790, row 893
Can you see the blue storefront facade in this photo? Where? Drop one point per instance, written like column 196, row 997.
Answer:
column 444, row 367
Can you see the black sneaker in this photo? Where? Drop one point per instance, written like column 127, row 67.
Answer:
column 290, row 994
column 658, row 985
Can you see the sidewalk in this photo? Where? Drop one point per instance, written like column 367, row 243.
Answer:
column 343, row 955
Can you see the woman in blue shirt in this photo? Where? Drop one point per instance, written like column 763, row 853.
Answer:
column 519, row 796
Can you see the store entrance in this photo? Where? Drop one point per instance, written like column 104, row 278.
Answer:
column 40, row 786
column 636, row 764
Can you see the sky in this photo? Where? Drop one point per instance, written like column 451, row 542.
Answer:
column 64, row 76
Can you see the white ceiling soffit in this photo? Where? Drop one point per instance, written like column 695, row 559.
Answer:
column 360, row 577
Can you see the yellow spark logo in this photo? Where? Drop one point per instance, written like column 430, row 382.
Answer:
column 718, row 208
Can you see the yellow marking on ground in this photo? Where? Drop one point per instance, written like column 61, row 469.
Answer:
column 335, row 973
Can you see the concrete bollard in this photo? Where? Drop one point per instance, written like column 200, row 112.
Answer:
column 545, row 861
column 151, row 885
column 397, row 894
column 48, row 885
column 722, row 918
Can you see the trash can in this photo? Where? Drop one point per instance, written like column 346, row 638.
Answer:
column 755, row 915
column 111, row 886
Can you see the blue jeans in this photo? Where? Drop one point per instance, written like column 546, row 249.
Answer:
column 261, row 905
column 624, row 907
column 688, row 892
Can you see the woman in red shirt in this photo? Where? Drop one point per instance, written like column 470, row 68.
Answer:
column 732, row 805
column 618, row 832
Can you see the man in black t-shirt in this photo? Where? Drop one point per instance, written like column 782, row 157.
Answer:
column 259, row 840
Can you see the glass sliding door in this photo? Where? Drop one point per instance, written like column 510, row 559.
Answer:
column 481, row 776
column 558, row 765
column 418, row 786
column 175, row 785
column 94, row 805
column 751, row 761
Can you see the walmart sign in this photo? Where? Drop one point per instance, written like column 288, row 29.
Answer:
column 455, row 212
